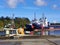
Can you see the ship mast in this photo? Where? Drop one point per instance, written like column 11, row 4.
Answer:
column 34, row 15
column 43, row 19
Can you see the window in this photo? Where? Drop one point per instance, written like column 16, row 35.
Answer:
column 12, row 31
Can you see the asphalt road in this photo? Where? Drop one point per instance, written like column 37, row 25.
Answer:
column 28, row 42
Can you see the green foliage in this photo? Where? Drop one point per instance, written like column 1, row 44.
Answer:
column 1, row 24
column 17, row 21
column 21, row 21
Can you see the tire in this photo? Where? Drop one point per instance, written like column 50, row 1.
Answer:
column 12, row 37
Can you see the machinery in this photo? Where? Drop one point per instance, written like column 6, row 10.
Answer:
column 20, row 31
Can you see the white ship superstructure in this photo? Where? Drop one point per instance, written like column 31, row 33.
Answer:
column 42, row 21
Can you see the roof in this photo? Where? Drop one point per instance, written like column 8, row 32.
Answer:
column 9, row 29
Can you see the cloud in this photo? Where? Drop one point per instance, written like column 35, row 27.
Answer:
column 40, row 2
column 55, row 6
column 13, row 3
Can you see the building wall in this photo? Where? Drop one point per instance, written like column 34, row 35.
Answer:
column 2, row 33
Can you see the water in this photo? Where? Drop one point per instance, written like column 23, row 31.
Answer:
column 56, row 32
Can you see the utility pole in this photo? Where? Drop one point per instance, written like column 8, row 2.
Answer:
column 12, row 22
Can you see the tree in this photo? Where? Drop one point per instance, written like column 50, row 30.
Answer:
column 21, row 21
column 17, row 20
column 1, row 24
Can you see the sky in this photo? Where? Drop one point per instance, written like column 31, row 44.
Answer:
column 27, row 8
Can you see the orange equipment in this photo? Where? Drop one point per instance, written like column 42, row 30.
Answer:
column 21, row 31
